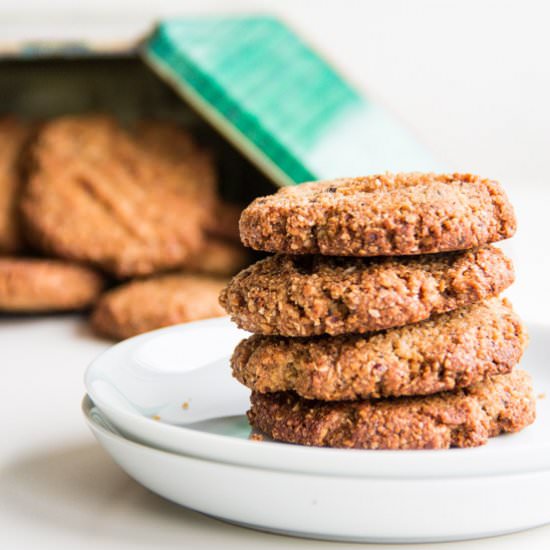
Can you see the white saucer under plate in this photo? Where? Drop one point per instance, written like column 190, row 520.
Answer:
column 334, row 507
column 173, row 389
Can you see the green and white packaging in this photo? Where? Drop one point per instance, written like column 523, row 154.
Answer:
column 277, row 101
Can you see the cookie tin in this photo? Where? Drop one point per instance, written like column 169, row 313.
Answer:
column 278, row 101
column 262, row 88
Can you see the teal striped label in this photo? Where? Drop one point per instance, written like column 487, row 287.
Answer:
column 277, row 100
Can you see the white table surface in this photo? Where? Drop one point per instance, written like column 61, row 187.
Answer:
column 470, row 79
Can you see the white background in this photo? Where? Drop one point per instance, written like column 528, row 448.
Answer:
column 470, row 78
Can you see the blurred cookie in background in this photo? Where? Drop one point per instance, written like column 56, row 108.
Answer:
column 133, row 202
column 225, row 222
column 32, row 285
column 172, row 145
column 148, row 304
column 94, row 194
column 13, row 136
column 219, row 257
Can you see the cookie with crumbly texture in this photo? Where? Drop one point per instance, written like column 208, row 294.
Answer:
column 13, row 136
column 148, row 304
column 32, row 285
column 466, row 418
column 95, row 195
column 381, row 215
column 218, row 257
column 449, row 351
column 312, row 295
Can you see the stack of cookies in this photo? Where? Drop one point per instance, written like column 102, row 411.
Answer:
column 87, row 203
column 377, row 322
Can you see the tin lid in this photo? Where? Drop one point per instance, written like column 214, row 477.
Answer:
column 278, row 101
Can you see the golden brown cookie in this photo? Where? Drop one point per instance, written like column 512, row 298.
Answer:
column 13, row 135
column 32, row 285
column 311, row 295
column 382, row 215
column 218, row 257
column 466, row 418
column 95, row 195
column 446, row 352
column 174, row 146
column 143, row 305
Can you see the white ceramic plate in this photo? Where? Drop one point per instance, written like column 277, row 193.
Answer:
column 365, row 508
column 173, row 389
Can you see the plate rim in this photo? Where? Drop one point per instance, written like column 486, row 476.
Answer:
column 129, row 455
column 379, row 463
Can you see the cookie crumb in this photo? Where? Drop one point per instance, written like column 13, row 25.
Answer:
column 541, row 396
column 185, row 405
column 155, row 417
column 256, row 437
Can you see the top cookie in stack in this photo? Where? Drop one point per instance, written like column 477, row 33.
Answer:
column 385, row 215
column 409, row 256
